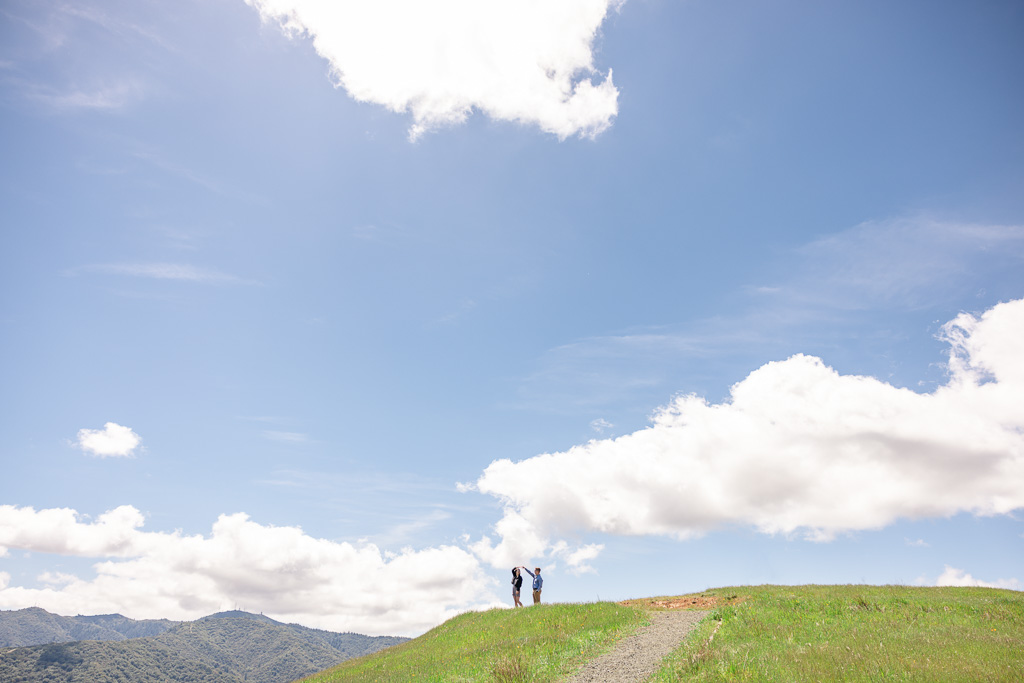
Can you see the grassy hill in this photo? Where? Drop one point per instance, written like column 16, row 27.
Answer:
column 539, row 643
column 229, row 647
column 762, row 633
column 857, row 633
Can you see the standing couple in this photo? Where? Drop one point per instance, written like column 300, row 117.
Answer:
column 517, row 583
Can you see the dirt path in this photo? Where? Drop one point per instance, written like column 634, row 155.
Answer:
column 637, row 657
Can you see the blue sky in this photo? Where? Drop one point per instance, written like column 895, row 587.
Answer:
column 336, row 314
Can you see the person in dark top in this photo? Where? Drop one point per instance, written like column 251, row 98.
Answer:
column 517, row 584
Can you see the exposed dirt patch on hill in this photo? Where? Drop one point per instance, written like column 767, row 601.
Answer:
column 697, row 601
column 637, row 657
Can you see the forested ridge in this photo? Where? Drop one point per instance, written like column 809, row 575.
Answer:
column 35, row 626
column 228, row 647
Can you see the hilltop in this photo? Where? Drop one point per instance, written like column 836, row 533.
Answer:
column 754, row 633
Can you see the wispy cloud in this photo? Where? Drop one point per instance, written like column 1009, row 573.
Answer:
column 103, row 97
column 58, row 68
column 411, row 528
column 47, row 27
column 164, row 162
column 163, row 271
column 159, row 161
column 465, row 307
column 352, row 498
column 177, row 238
column 286, row 437
column 400, row 485
column 116, row 24
column 57, row 24
column 590, row 374
column 903, row 263
column 816, row 290
column 387, row 235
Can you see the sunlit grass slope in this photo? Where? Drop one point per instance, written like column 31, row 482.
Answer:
column 536, row 644
column 762, row 633
column 856, row 633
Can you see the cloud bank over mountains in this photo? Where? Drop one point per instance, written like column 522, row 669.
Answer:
column 530, row 62
column 277, row 570
column 798, row 449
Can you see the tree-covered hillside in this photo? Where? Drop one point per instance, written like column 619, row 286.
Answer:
column 224, row 648
column 129, row 628
column 139, row 661
column 35, row 626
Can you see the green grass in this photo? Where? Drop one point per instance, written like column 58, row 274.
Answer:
column 856, row 633
column 536, row 644
column 763, row 633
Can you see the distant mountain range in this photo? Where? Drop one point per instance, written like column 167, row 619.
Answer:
column 35, row 626
column 228, row 647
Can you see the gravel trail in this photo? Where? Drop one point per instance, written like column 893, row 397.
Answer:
column 637, row 657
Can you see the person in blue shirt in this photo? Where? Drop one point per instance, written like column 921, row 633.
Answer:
column 538, row 583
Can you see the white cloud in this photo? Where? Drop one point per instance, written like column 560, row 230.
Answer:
column 113, row 440
column 958, row 577
column 280, row 571
column 798, row 448
column 578, row 559
column 59, row 531
column 520, row 538
column 57, row 578
column 600, row 424
column 530, row 61
column 919, row 543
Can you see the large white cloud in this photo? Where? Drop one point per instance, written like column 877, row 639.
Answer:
column 59, row 531
column 529, row 61
column 280, row 571
column 798, row 448
column 113, row 440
